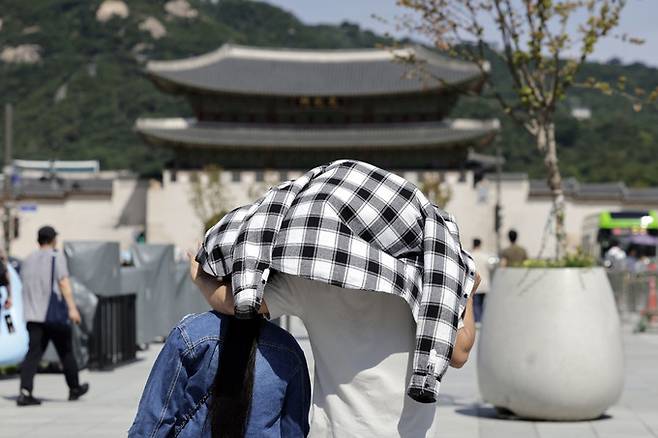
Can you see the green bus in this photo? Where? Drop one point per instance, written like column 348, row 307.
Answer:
column 636, row 229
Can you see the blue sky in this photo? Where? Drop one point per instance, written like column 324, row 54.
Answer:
column 638, row 20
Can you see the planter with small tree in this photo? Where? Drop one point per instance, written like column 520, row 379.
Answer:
column 550, row 343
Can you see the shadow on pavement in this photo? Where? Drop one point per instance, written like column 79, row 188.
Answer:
column 12, row 398
column 486, row 411
column 451, row 400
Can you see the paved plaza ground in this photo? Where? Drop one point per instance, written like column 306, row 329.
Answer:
column 109, row 408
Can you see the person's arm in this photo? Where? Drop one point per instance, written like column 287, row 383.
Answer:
column 465, row 335
column 67, row 293
column 465, row 338
column 164, row 393
column 7, row 278
column 8, row 300
column 217, row 294
column 61, row 274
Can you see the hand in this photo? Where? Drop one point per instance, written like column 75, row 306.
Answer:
column 194, row 267
column 74, row 316
column 8, row 303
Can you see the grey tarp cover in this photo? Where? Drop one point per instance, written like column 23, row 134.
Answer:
column 167, row 295
column 95, row 264
column 157, row 265
column 188, row 297
column 136, row 280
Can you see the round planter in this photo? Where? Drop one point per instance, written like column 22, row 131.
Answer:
column 550, row 344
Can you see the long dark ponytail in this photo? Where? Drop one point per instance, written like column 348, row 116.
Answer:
column 232, row 389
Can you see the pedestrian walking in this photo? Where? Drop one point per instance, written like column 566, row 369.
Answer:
column 49, row 311
column 483, row 267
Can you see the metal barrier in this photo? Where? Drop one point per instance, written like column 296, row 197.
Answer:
column 114, row 338
column 631, row 290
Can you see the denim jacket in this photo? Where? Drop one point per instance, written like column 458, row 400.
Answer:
column 176, row 396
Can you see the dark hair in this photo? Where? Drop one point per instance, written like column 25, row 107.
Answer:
column 232, row 389
column 46, row 240
column 477, row 242
column 512, row 236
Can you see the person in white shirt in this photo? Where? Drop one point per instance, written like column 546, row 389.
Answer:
column 362, row 344
column 483, row 265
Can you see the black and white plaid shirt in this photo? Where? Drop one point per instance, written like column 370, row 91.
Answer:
column 355, row 226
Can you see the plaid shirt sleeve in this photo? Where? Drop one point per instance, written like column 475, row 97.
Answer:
column 240, row 245
column 215, row 255
column 448, row 277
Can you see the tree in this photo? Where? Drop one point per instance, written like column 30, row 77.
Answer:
column 259, row 188
column 436, row 189
column 544, row 43
column 207, row 195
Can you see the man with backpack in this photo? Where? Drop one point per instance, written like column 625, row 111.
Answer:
column 49, row 311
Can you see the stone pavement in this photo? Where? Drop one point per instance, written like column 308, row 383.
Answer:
column 109, row 408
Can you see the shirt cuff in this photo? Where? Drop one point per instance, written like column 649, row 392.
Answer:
column 248, row 299
column 247, row 302
column 424, row 388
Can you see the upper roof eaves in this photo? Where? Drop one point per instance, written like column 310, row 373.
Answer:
column 295, row 72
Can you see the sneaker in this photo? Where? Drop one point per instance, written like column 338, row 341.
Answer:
column 25, row 398
column 76, row 393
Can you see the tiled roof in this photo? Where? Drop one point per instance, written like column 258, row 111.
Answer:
column 261, row 136
column 294, row 72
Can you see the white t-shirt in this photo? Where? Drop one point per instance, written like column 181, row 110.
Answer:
column 363, row 345
column 483, row 268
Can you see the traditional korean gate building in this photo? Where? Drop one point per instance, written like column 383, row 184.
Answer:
column 293, row 109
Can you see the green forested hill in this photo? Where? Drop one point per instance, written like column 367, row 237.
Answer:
column 100, row 67
column 81, row 100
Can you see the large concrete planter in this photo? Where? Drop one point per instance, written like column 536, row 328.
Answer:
column 550, row 344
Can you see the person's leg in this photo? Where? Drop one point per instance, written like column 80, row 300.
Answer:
column 62, row 338
column 477, row 307
column 37, row 345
